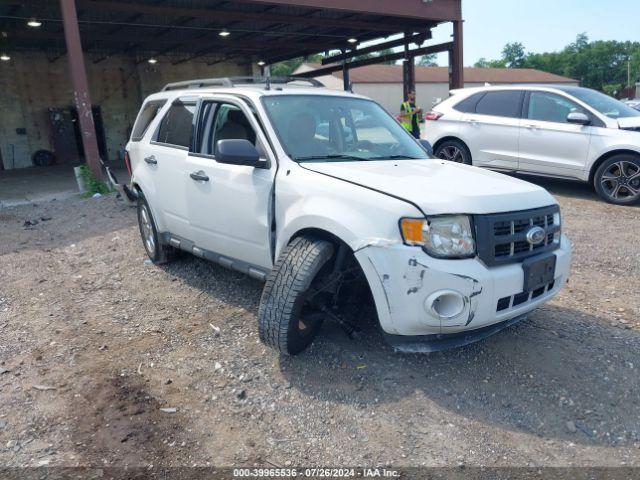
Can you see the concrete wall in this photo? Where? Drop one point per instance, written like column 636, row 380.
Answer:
column 30, row 84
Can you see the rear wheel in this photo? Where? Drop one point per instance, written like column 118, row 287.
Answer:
column 617, row 180
column 157, row 252
column 454, row 151
column 290, row 313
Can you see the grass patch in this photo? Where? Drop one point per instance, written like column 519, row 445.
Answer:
column 92, row 184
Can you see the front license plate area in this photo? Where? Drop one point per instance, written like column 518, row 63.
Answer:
column 538, row 272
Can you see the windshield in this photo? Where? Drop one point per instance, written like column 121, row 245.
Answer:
column 606, row 105
column 331, row 128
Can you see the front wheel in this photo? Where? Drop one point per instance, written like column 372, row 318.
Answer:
column 290, row 314
column 454, row 151
column 617, row 180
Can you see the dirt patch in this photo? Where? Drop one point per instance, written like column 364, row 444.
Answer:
column 97, row 342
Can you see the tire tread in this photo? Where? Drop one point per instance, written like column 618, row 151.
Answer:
column 291, row 276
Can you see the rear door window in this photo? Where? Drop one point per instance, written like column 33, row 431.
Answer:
column 468, row 105
column 147, row 114
column 177, row 125
column 506, row 103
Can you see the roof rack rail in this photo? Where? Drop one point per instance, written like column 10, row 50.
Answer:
column 230, row 82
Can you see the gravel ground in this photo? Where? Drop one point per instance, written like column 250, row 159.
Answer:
column 106, row 360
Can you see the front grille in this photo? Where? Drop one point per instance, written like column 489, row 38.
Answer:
column 502, row 237
column 521, row 298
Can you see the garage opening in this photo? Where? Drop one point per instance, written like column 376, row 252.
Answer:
column 117, row 52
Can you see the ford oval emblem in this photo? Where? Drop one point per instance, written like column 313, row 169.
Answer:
column 536, row 235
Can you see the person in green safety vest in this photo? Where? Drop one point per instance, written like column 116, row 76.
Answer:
column 409, row 115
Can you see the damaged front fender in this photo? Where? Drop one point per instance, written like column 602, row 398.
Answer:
column 402, row 282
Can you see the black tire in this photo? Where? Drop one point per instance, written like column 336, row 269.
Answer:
column 286, row 321
column 617, row 180
column 454, row 151
column 157, row 252
column 43, row 158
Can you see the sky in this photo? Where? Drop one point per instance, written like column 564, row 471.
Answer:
column 541, row 25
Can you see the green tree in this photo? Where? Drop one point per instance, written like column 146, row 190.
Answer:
column 428, row 60
column 286, row 68
column 601, row 65
column 484, row 63
column 514, row 55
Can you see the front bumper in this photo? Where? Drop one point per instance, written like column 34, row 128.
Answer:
column 445, row 341
column 404, row 280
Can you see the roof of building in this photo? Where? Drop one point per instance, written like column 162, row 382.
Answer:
column 393, row 74
column 185, row 30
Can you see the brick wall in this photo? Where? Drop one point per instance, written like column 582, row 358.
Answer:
column 30, row 84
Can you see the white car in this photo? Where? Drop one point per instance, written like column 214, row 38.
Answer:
column 557, row 131
column 278, row 181
column 635, row 103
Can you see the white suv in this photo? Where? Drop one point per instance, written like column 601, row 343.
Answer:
column 558, row 131
column 286, row 183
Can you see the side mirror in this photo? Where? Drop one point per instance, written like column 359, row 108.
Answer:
column 238, row 152
column 578, row 118
column 427, row 147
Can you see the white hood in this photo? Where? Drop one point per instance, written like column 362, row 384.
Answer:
column 629, row 122
column 438, row 187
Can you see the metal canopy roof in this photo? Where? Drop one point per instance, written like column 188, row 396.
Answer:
column 186, row 30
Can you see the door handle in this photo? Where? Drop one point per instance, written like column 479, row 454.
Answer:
column 151, row 160
column 531, row 127
column 199, row 176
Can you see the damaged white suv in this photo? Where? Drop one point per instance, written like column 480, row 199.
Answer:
column 326, row 198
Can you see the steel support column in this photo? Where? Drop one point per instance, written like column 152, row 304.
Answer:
column 456, row 65
column 346, row 81
column 408, row 72
column 80, row 86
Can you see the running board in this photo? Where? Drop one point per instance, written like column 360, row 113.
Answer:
column 227, row 262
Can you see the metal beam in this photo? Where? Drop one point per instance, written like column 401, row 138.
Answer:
column 456, row 62
column 80, row 87
column 442, row 47
column 346, row 81
column 442, row 10
column 408, row 72
column 249, row 45
column 223, row 15
column 417, row 39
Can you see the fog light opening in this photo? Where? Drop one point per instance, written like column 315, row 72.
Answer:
column 447, row 304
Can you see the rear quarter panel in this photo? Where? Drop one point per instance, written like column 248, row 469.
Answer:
column 447, row 126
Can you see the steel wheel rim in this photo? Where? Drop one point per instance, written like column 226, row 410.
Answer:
column 147, row 231
column 451, row 154
column 621, row 180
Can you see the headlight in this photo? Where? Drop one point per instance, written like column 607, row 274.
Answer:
column 442, row 237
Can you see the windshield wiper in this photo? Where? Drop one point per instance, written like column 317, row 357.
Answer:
column 331, row 157
column 396, row 157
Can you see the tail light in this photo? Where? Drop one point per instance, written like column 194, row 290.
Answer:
column 433, row 116
column 127, row 162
